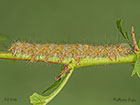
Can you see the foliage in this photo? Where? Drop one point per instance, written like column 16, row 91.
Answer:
column 136, row 69
column 124, row 34
column 56, row 87
column 37, row 99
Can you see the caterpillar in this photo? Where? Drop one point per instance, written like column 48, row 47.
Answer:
column 75, row 51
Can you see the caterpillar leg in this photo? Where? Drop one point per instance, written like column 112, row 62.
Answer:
column 109, row 57
column 115, row 57
column 33, row 58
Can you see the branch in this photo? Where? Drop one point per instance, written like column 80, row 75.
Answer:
column 37, row 99
column 83, row 61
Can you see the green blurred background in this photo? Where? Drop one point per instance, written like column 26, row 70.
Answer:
column 68, row 21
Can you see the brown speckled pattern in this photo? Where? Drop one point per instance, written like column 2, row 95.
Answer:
column 76, row 51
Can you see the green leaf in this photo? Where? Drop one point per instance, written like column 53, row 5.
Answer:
column 62, row 67
column 53, row 86
column 37, row 99
column 56, row 83
column 136, row 66
column 124, row 34
column 119, row 25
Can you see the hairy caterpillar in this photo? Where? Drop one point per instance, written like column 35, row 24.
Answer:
column 75, row 51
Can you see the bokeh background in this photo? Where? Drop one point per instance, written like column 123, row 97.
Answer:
column 68, row 21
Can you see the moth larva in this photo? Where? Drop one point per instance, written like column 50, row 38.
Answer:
column 76, row 51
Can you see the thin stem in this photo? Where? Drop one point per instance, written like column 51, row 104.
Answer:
column 53, row 94
column 37, row 99
column 83, row 61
